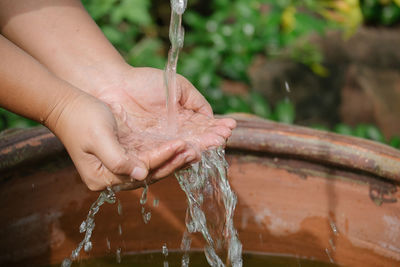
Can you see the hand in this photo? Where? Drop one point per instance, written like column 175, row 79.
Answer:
column 138, row 101
column 89, row 131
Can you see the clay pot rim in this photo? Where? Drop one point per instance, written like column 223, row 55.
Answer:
column 22, row 146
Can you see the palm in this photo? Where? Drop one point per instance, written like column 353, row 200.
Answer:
column 140, row 108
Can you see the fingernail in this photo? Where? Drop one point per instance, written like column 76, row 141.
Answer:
column 139, row 173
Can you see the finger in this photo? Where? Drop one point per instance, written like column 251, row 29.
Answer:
column 158, row 156
column 115, row 158
column 221, row 130
column 93, row 173
column 192, row 99
column 174, row 164
column 228, row 122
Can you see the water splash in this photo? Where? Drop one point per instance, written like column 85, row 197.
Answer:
column 118, row 255
column 146, row 215
column 88, row 225
column 165, row 250
column 211, row 205
column 176, row 37
column 119, row 208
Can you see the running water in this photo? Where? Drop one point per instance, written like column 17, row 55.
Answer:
column 211, row 205
column 211, row 202
column 176, row 37
column 87, row 226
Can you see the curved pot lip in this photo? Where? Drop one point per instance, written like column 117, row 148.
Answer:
column 20, row 146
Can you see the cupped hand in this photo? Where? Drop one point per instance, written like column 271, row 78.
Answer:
column 138, row 101
column 90, row 133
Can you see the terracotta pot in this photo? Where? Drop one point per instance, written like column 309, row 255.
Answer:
column 300, row 192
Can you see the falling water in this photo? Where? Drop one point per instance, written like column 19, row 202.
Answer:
column 211, row 202
column 176, row 36
column 211, row 205
column 87, row 225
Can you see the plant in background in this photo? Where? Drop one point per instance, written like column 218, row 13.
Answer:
column 223, row 44
column 130, row 27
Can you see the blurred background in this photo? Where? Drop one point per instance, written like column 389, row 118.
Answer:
column 327, row 64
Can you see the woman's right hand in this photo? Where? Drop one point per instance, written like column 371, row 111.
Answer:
column 89, row 131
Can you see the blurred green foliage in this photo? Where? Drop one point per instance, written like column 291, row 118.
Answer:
column 223, row 38
column 223, row 43
column 381, row 12
column 12, row 120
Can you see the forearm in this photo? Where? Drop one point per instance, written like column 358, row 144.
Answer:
column 63, row 37
column 27, row 88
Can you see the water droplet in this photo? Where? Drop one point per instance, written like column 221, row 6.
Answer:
column 155, row 202
column 119, row 229
column 118, row 255
column 332, row 244
column 88, row 246
column 119, row 208
column 165, row 250
column 143, row 199
column 82, row 227
column 66, row 263
column 108, row 244
column 287, row 87
column 333, row 227
column 329, row 255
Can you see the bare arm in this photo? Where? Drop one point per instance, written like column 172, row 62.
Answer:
column 62, row 36
column 27, row 88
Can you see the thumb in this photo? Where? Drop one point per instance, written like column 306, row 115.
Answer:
column 116, row 159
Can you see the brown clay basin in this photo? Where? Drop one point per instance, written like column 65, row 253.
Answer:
column 301, row 192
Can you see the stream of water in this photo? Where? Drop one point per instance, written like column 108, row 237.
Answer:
column 211, row 205
column 176, row 37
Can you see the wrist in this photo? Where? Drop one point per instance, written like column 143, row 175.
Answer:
column 66, row 96
column 97, row 79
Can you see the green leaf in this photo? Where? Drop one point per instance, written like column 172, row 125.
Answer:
column 259, row 105
column 375, row 134
column 343, row 129
column 320, row 127
column 147, row 53
column 238, row 104
column 99, row 8
column 395, row 142
column 285, row 111
column 369, row 132
column 134, row 11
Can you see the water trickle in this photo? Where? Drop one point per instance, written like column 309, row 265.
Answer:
column 119, row 208
column 211, row 205
column 118, row 255
column 333, row 227
column 287, row 87
column 165, row 250
column 332, row 243
column 108, row 244
column 119, row 229
column 327, row 251
column 88, row 225
column 146, row 215
column 176, row 37
column 185, row 245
